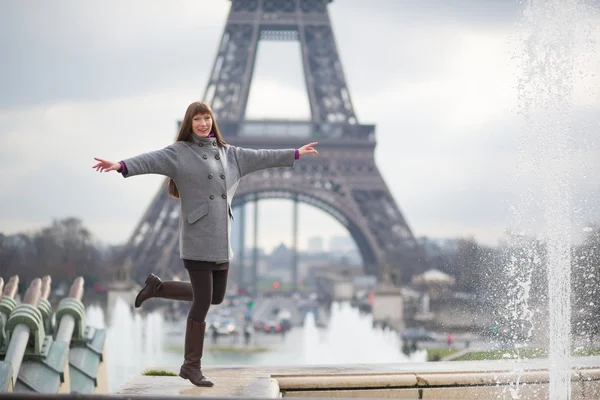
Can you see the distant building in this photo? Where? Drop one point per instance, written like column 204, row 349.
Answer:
column 281, row 257
column 315, row 244
column 438, row 246
column 341, row 244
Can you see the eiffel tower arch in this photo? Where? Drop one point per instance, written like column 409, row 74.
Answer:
column 343, row 181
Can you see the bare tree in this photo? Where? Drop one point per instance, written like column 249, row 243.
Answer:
column 64, row 250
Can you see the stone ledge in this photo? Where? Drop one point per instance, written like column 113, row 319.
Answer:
column 270, row 382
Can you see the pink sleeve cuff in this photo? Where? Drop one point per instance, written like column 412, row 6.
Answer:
column 123, row 168
column 297, row 154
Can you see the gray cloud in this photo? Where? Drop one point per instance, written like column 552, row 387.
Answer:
column 71, row 50
column 80, row 50
column 472, row 12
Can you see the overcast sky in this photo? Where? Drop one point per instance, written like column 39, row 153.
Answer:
column 110, row 78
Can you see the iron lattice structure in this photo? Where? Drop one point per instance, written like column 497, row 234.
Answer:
column 343, row 181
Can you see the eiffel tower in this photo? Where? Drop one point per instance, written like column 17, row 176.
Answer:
column 343, row 181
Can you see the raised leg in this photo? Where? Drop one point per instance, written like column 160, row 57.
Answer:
column 174, row 290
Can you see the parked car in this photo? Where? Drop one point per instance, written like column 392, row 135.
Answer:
column 417, row 335
column 225, row 326
column 284, row 318
column 272, row 327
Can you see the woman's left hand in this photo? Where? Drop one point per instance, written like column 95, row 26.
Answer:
column 308, row 149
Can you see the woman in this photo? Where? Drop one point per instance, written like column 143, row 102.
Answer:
column 204, row 172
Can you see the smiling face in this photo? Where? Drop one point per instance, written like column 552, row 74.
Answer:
column 199, row 120
column 202, row 124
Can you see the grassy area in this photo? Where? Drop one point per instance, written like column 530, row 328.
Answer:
column 514, row 354
column 159, row 372
column 438, row 354
column 223, row 348
column 587, row 352
column 508, row 354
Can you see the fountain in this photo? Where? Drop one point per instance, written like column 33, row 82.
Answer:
column 553, row 32
column 347, row 328
column 133, row 342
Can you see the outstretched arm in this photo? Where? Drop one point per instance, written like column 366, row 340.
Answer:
column 162, row 162
column 250, row 160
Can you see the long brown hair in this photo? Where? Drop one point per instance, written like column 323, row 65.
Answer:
column 185, row 133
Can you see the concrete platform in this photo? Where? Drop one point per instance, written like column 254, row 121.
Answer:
column 434, row 380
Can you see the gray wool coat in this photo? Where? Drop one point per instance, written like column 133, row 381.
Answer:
column 207, row 176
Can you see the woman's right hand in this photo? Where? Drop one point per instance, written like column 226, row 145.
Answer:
column 106, row 166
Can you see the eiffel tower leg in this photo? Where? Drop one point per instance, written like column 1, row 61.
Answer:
column 327, row 91
column 229, row 84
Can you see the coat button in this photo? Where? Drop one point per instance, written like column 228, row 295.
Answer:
column 217, row 157
column 211, row 197
column 214, row 143
column 205, row 156
column 224, row 196
column 209, row 176
column 222, row 176
column 201, row 144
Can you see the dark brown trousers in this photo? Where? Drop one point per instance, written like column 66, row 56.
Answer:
column 208, row 287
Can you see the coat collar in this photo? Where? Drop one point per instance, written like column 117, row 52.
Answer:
column 205, row 141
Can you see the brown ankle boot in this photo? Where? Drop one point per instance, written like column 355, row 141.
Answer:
column 194, row 343
column 174, row 290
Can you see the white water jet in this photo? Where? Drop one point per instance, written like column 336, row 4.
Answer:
column 311, row 350
column 132, row 343
column 552, row 31
column 95, row 317
column 348, row 339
